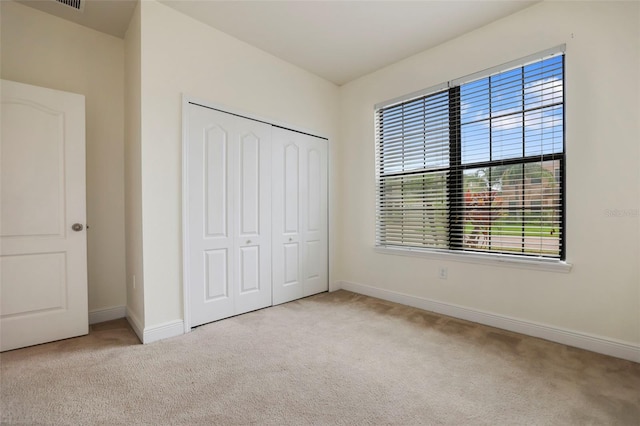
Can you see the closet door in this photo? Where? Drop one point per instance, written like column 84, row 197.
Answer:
column 299, row 215
column 252, row 206
column 315, row 217
column 228, row 215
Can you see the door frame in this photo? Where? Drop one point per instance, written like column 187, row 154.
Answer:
column 186, row 100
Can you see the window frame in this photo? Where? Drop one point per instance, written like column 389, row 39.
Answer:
column 456, row 251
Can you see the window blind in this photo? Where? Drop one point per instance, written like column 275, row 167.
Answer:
column 477, row 166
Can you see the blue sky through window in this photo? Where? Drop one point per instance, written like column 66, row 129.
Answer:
column 516, row 113
column 515, row 110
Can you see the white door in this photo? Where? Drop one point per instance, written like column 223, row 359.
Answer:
column 228, row 251
column 43, row 261
column 300, row 236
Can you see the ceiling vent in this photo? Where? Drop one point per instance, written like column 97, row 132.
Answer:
column 76, row 4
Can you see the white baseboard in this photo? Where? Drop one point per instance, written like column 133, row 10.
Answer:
column 615, row 348
column 107, row 314
column 135, row 323
column 163, row 331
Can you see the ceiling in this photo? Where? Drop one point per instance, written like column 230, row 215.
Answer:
column 107, row 16
column 337, row 40
column 343, row 40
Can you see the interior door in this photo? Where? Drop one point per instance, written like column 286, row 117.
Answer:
column 43, row 257
column 229, row 214
column 300, row 238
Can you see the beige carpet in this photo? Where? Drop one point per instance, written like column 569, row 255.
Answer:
column 338, row 358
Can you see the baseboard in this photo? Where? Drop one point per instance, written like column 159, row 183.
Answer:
column 107, row 314
column 163, row 331
column 606, row 346
column 135, row 323
column 157, row 332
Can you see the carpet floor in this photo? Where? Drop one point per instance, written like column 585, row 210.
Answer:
column 331, row 359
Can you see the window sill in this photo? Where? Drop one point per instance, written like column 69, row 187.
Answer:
column 482, row 259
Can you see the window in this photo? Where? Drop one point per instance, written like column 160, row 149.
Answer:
column 476, row 165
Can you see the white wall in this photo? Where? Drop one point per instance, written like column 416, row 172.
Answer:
column 182, row 55
column 132, row 175
column 44, row 50
column 601, row 295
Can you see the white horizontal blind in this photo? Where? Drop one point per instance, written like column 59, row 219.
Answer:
column 476, row 167
column 413, row 163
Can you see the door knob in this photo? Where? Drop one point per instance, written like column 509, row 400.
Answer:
column 248, row 241
column 77, row 227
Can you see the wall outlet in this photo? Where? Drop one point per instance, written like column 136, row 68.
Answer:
column 133, row 281
column 442, row 273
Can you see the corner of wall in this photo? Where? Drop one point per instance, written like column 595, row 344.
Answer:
column 133, row 184
column 135, row 323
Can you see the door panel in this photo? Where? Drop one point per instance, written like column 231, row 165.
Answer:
column 216, row 276
column 253, row 241
column 43, row 262
column 287, row 282
column 210, row 215
column 229, row 192
column 216, row 182
column 314, row 256
column 316, row 226
column 249, row 185
column 29, row 165
column 22, row 275
column 314, row 209
column 249, row 269
column 300, row 215
column 291, row 182
column 291, row 264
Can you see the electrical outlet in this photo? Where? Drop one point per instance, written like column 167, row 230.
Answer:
column 133, row 281
column 442, row 273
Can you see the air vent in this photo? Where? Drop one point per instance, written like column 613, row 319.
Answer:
column 76, row 4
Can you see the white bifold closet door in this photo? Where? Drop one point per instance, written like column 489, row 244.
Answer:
column 228, row 171
column 299, row 179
